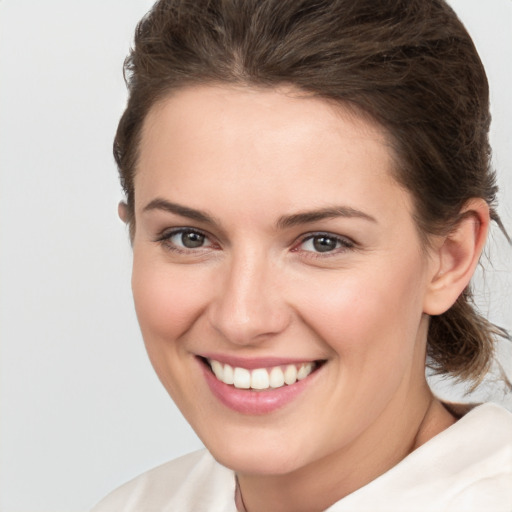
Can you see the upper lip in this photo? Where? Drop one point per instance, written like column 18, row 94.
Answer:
column 251, row 363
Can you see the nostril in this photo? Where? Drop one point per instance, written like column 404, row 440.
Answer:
column 245, row 321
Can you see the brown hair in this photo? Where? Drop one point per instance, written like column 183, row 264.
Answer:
column 408, row 64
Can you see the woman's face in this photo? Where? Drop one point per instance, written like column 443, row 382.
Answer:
column 273, row 244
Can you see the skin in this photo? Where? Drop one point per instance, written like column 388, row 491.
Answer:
column 256, row 288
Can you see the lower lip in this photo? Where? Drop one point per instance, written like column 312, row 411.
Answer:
column 248, row 401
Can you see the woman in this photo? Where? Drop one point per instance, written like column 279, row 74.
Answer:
column 308, row 194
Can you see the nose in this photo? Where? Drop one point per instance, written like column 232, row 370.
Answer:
column 249, row 305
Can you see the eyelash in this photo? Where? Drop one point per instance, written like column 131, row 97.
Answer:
column 342, row 244
column 165, row 240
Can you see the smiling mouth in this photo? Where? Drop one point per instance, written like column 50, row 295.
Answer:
column 261, row 379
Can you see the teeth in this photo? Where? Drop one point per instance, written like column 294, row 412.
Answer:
column 304, row 371
column 242, row 378
column 276, row 377
column 228, row 377
column 261, row 378
column 218, row 369
column 290, row 374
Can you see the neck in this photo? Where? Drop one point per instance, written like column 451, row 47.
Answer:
column 397, row 432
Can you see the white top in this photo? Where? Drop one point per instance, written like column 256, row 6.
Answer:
column 466, row 468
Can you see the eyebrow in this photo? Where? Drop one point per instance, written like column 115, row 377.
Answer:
column 284, row 222
column 288, row 221
column 183, row 211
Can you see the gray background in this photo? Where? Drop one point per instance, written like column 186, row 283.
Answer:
column 81, row 411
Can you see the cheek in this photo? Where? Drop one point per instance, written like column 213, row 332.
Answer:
column 167, row 300
column 366, row 317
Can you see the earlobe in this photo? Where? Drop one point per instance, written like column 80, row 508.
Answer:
column 122, row 211
column 456, row 257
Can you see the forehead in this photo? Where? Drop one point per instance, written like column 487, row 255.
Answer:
column 212, row 112
column 276, row 146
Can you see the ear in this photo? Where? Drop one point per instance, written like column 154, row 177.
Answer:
column 122, row 211
column 456, row 256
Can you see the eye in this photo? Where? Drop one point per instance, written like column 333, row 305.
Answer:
column 185, row 239
column 324, row 242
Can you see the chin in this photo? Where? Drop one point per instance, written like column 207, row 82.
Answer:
column 255, row 458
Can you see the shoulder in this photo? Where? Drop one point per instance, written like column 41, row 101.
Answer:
column 478, row 446
column 466, row 467
column 482, row 446
column 486, row 430
column 194, row 482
